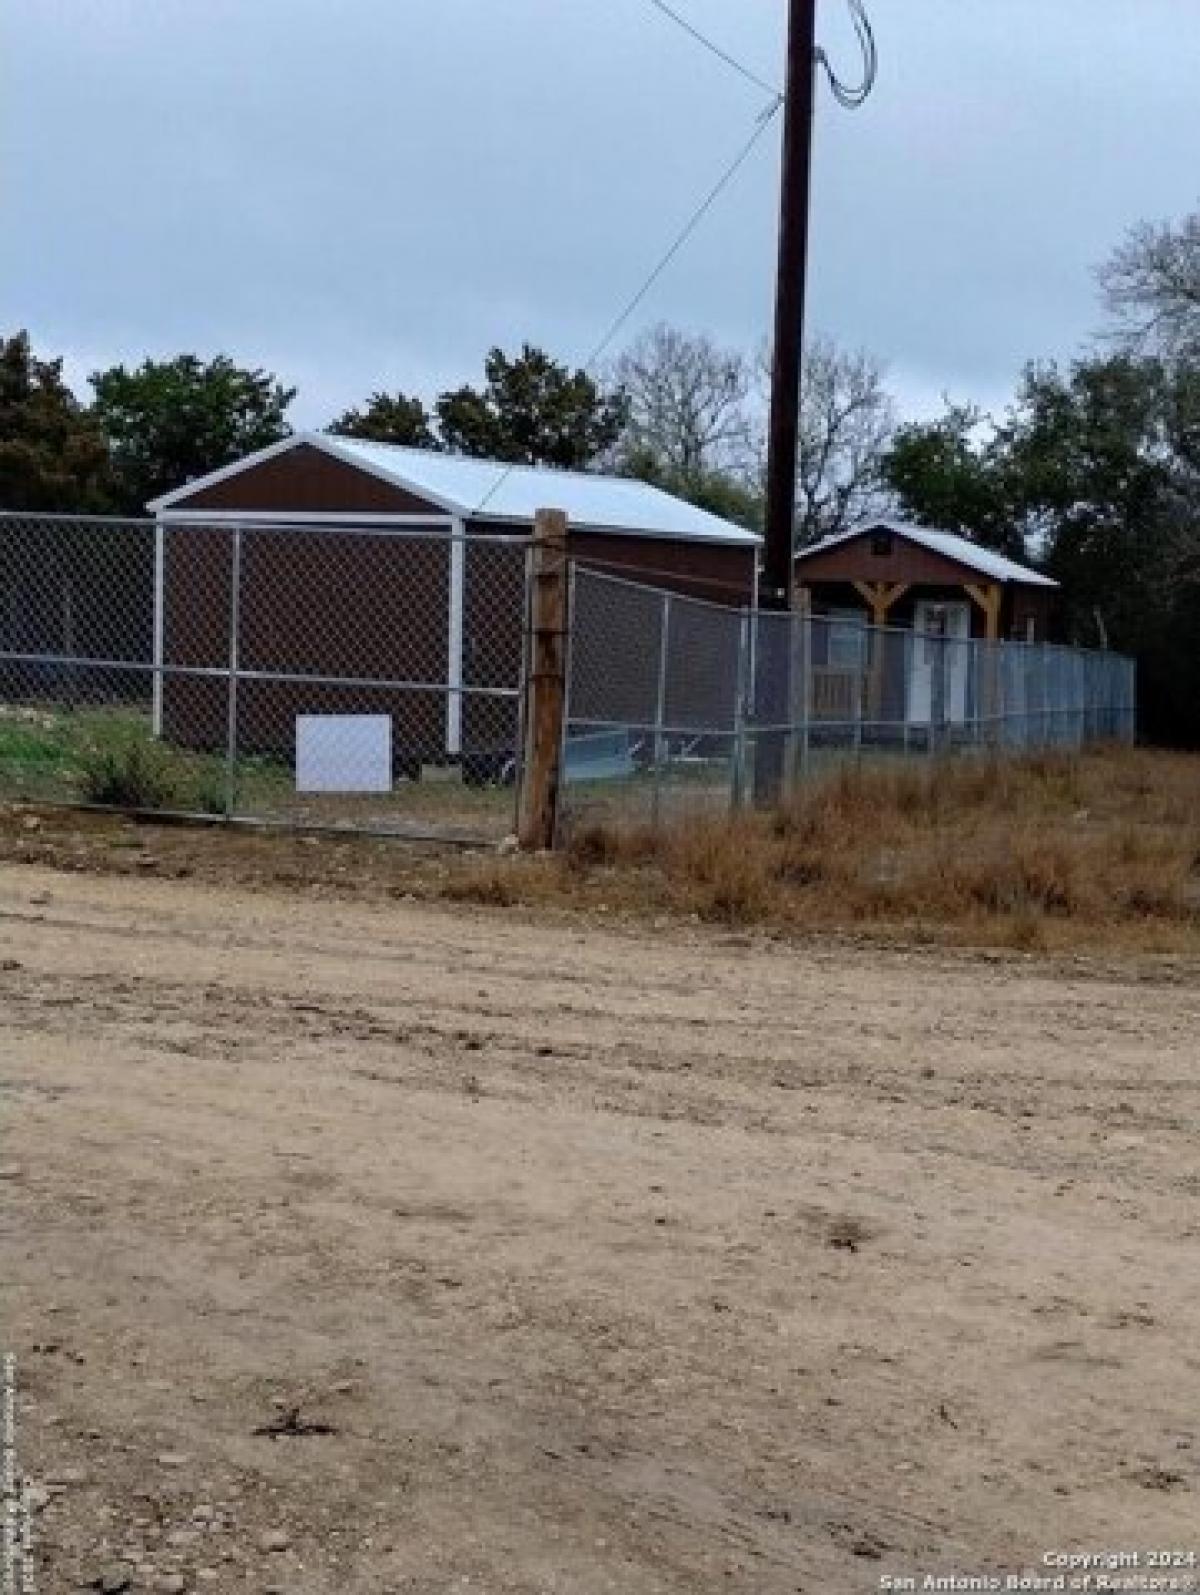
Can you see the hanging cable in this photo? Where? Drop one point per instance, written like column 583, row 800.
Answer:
column 762, row 122
column 727, row 176
column 852, row 97
column 714, row 48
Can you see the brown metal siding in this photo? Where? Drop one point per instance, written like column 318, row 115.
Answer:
column 495, row 598
column 306, row 480
column 721, row 572
column 1039, row 604
column 312, row 603
column 328, row 602
column 493, row 631
column 908, row 562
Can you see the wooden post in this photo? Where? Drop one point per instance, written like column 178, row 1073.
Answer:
column 545, row 682
column 880, row 596
column 783, row 424
column 989, row 598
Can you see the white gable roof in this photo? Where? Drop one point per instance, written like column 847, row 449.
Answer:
column 949, row 544
column 497, row 492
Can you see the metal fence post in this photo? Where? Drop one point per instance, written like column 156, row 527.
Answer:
column 68, row 621
column 523, row 670
column 937, row 688
column 567, row 668
column 793, row 718
column 806, row 654
column 737, row 795
column 235, row 607
column 660, row 706
column 160, row 556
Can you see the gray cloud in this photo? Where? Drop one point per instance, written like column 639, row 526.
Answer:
column 371, row 192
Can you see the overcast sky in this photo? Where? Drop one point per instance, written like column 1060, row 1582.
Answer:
column 369, row 193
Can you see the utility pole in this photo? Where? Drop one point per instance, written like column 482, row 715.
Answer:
column 790, row 284
column 773, row 668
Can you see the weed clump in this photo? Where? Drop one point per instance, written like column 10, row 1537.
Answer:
column 129, row 771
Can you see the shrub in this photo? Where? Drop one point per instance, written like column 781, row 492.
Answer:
column 211, row 793
column 131, row 771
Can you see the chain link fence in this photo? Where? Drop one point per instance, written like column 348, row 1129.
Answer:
column 353, row 677
column 371, row 678
column 677, row 705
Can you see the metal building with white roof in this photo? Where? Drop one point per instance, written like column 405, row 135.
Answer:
column 431, row 602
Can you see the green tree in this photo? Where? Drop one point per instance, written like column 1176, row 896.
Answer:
column 1109, row 456
column 724, row 493
column 388, row 418
column 170, row 421
column 531, row 411
column 1097, row 469
column 948, row 474
column 1090, row 450
column 52, row 453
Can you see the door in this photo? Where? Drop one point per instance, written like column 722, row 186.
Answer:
column 928, row 651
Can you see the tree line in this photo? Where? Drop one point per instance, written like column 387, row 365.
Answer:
column 1092, row 472
column 675, row 409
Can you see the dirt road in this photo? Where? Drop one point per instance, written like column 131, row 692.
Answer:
column 611, row 1261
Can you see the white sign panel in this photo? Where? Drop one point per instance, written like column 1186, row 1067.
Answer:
column 343, row 753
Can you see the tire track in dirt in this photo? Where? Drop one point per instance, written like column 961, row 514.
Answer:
column 635, row 1261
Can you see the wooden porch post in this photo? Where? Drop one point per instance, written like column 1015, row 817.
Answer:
column 880, row 597
column 989, row 598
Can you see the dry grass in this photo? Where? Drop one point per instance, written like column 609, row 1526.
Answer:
column 1098, row 852
column 1044, row 851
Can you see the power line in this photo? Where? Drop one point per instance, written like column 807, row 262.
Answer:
column 727, row 176
column 762, row 122
column 852, row 97
column 714, row 48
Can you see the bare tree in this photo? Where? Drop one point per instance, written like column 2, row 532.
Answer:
column 847, row 419
column 697, row 426
column 1151, row 287
column 687, row 399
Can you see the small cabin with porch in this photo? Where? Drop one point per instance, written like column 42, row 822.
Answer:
column 918, row 586
column 893, row 573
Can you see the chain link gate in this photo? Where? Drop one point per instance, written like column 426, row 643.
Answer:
column 360, row 678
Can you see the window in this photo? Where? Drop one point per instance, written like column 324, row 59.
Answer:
column 881, row 544
column 847, row 639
